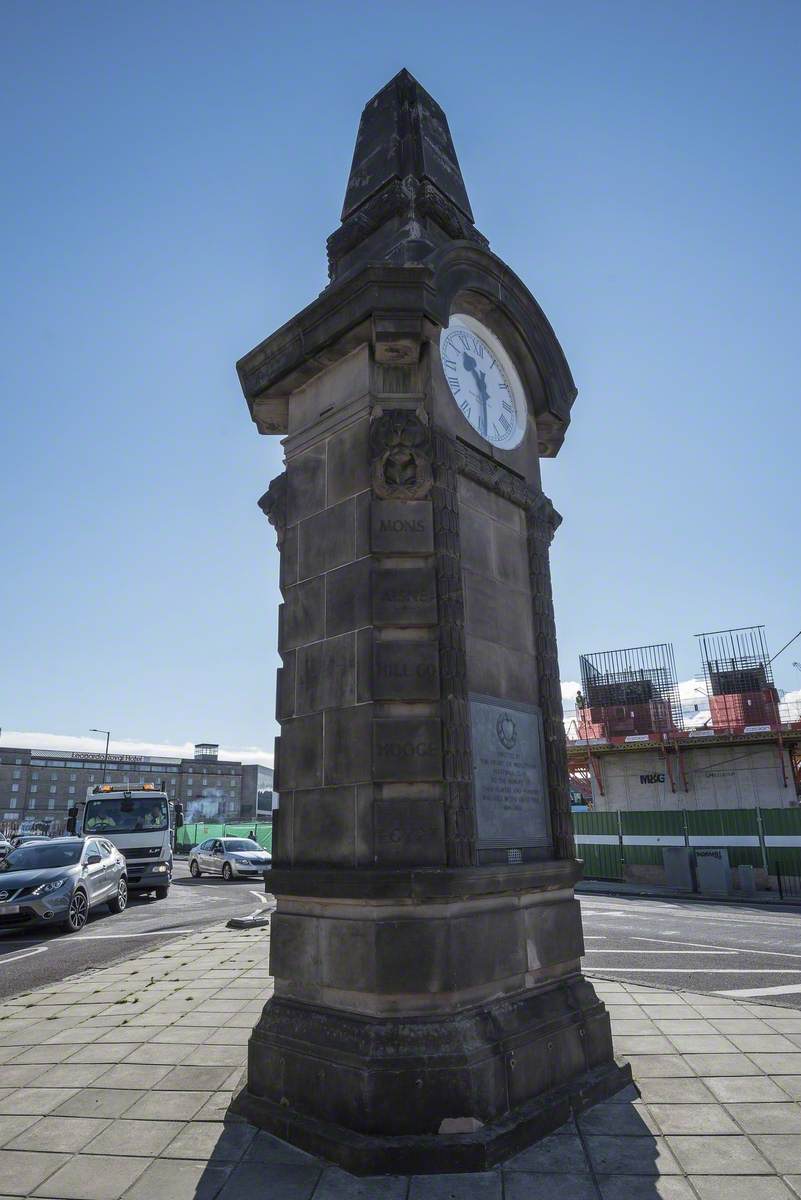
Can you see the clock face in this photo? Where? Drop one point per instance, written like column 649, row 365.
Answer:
column 483, row 381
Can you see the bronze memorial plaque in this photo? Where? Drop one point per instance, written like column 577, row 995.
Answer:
column 508, row 774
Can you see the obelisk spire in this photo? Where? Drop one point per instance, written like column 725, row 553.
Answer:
column 405, row 194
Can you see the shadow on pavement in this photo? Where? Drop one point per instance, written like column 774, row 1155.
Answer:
column 613, row 1148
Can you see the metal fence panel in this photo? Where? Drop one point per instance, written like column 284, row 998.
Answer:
column 646, row 832
column 191, row 835
column 601, row 851
column 735, row 829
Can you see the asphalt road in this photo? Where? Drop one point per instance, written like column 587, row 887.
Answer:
column 750, row 953
column 43, row 956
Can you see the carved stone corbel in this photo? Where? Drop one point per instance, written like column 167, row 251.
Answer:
column 273, row 505
column 400, row 453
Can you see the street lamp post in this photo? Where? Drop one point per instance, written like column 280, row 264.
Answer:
column 105, row 759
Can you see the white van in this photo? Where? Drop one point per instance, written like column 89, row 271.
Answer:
column 138, row 822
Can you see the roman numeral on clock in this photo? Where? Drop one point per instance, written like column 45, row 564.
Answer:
column 454, row 384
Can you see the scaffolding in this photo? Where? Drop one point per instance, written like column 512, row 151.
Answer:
column 739, row 680
column 629, row 693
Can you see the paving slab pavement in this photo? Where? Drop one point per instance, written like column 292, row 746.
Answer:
column 116, row 1085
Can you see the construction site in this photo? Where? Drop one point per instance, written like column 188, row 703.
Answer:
column 651, row 770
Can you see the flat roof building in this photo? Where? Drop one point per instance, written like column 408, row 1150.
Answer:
column 44, row 784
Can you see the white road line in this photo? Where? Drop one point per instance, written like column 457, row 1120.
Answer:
column 595, row 937
column 260, row 897
column 672, row 953
column 781, row 989
column 695, row 911
column 723, row 949
column 600, row 912
column 12, row 958
column 103, row 937
column 696, row 970
column 630, row 908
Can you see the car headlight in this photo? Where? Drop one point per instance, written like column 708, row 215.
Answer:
column 161, row 867
column 239, row 858
column 52, row 885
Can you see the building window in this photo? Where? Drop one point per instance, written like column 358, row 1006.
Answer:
column 73, row 775
column 13, row 801
column 34, row 787
column 52, row 790
column 33, row 802
column 71, row 791
column 15, row 787
column 53, row 777
column 34, row 775
column 51, row 804
column 18, row 774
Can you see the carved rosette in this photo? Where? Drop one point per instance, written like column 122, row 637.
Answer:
column 460, row 829
column 542, row 523
column 400, row 453
column 273, row 505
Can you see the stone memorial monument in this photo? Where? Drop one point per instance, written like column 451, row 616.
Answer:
column 429, row 1011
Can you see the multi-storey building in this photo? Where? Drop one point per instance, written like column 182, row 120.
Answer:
column 44, row 784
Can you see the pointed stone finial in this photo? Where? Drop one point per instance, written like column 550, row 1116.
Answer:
column 405, row 193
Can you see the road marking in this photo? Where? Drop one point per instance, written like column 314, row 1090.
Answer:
column 260, row 897
column 699, row 970
column 22, row 954
column 673, row 953
column 723, row 949
column 601, row 912
column 695, row 910
column 595, row 937
column 102, row 937
column 630, row 908
column 789, row 989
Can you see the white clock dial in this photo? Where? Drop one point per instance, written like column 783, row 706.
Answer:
column 483, row 381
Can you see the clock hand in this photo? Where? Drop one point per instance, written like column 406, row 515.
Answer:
column 471, row 366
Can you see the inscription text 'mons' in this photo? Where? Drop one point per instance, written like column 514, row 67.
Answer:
column 401, row 525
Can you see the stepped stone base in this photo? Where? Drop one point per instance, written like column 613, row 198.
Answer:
column 431, row 1154
column 373, row 1094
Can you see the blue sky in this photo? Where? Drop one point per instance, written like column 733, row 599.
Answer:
column 171, row 173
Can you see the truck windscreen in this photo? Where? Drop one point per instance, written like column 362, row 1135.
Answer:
column 139, row 814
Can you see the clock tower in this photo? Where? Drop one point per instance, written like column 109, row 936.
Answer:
column 429, row 1011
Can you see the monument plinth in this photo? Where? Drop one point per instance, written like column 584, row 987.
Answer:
column 429, row 1011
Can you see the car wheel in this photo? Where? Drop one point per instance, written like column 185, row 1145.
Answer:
column 161, row 893
column 119, row 902
column 194, row 869
column 78, row 912
column 227, row 872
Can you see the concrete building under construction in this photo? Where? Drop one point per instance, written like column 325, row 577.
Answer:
column 631, row 747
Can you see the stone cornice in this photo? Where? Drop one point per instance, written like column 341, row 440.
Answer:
column 380, row 303
column 396, row 309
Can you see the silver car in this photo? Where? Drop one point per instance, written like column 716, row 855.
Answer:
column 58, row 881
column 229, row 857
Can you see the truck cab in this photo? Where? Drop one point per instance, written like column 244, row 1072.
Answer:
column 138, row 821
